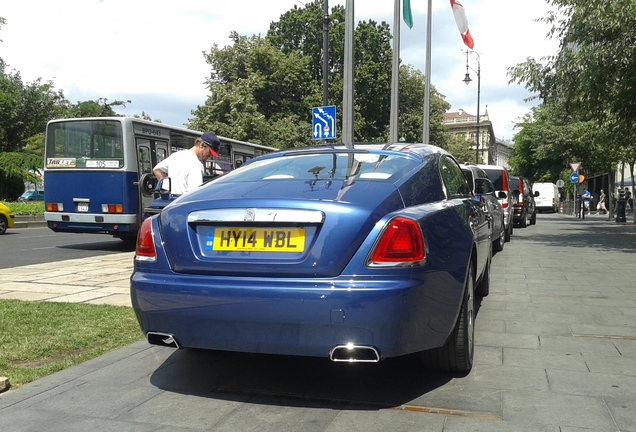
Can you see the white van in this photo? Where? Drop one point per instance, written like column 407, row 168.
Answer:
column 548, row 198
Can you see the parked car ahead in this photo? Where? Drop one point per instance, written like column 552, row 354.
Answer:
column 352, row 254
column 6, row 218
column 547, row 198
column 525, row 212
column 498, row 175
column 482, row 188
column 32, row 196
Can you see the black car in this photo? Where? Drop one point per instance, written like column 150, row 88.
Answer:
column 483, row 188
column 524, row 209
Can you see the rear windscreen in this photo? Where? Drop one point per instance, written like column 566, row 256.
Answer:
column 496, row 177
column 324, row 167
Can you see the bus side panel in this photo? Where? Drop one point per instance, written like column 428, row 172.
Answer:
column 94, row 188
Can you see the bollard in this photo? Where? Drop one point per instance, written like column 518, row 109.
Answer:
column 620, row 206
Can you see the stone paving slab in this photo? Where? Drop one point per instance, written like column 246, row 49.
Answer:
column 555, row 351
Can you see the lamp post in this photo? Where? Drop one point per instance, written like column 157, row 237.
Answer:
column 467, row 81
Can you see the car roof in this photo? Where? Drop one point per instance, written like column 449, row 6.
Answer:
column 415, row 150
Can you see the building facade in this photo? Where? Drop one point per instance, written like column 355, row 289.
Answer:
column 491, row 151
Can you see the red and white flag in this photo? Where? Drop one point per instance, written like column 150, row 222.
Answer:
column 462, row 23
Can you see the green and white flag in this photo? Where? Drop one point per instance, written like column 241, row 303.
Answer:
column 406, row 13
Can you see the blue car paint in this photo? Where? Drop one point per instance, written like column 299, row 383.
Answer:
column 298, row 316
column 225, row 305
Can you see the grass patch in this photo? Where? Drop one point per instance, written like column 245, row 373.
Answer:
column 25, row 208
column 40, row 338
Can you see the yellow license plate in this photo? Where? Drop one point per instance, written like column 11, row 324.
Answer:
column 259, row 239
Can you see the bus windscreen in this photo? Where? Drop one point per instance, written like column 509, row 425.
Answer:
column 92, row 144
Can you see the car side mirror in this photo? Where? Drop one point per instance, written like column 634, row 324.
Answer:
column 484, row 187
column 536, row 193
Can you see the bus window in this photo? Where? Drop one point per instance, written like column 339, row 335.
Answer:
column 162, row 153
column 240, row 158
column 145, row 164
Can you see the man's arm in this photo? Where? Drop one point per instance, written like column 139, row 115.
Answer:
column 159, row 173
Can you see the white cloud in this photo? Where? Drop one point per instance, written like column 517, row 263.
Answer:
column 152, row 51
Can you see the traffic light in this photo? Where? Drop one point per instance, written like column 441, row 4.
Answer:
column 581, row 178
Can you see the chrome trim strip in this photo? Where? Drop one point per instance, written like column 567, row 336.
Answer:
column 108, row 218
column 257, row 215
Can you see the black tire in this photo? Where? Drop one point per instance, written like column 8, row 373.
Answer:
column 457, row 353
column 483, row 288
column 500, row 241
column 524, row 220
column 4, row 223
column 509, row 232
column 533, row 219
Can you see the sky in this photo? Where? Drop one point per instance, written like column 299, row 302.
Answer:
column 152, row 51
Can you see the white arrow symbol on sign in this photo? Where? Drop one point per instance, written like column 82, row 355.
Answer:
column 331, row 120
column 317, row 127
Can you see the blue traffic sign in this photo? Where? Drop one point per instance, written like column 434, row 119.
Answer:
column 574, row 177
column 323, row 122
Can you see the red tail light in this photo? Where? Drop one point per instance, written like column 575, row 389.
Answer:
column 504, row 179
column 145, row 243
column 401, row 241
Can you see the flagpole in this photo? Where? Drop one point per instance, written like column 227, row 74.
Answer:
column 347, row 94
column 427, row 86
column 395, row 75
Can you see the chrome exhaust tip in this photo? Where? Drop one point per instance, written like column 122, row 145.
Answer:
column 354, row 354
column 162, row 339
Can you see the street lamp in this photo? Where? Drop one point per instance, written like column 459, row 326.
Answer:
column 467, row 81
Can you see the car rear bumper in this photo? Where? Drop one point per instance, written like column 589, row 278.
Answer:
column 299, row 316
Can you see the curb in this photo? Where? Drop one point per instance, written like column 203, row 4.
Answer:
column 30, row 221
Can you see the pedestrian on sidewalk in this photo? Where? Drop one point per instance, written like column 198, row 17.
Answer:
column 587, row 196
column 601, row 203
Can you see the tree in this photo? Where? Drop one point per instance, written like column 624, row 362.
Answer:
column 411, row 110
column 24, row 108
column 589, row 86
column 90, row 108
column 262, row 89
column 460, row 148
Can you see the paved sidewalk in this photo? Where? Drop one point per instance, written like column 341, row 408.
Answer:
column 96, row 280
column 555, row 351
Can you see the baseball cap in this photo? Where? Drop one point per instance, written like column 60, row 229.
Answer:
column 212, row 141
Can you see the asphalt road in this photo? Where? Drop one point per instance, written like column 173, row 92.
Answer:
column 24, row 246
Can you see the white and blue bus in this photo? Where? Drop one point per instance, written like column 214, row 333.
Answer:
column 98, row 170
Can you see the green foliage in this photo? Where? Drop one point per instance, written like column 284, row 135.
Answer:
column 40, row 338
column 262, row 89
column 90, row 108
column 25, row 208
column 588, row 90
column 11, row 186
column 24, row 108
column 461, row 149
column 15, row 169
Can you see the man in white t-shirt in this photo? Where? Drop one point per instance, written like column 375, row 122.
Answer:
column 185, row 168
